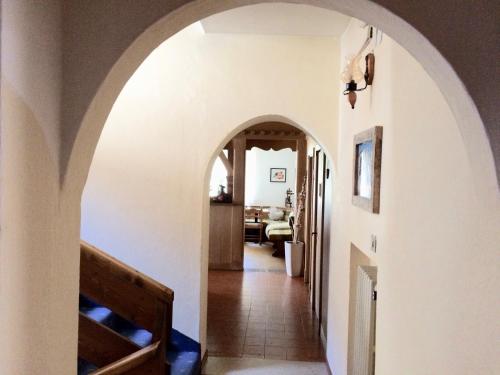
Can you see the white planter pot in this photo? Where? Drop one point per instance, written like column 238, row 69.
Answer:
column 294, row 254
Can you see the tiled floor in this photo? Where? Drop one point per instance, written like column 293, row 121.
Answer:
column 257, row 366
column 263, row 314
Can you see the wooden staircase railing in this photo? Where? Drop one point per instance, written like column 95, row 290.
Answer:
column 144, row 361
column 136, row 298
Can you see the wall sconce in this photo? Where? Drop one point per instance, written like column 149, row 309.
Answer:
column 352, row 85
column 352, row 74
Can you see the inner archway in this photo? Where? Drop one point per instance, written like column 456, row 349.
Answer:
column 255, row 308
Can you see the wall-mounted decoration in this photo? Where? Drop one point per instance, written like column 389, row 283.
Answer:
column 352, row 85
column 277, row 175
column 367, row 167
column 352, row 75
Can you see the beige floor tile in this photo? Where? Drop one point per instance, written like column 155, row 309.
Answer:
column 257, row 366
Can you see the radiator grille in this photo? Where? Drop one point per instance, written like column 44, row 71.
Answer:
column 364, row 322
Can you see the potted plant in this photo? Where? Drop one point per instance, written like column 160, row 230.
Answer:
column 294, row 250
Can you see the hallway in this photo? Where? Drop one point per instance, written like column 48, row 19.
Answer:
column 262, row 314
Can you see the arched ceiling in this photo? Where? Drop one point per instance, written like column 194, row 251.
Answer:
column 277, row 19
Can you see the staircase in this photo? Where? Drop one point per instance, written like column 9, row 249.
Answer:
column 125, row 322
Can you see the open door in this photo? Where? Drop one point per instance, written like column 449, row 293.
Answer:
column 320, row 193
column 308, row 219
column 325, row 249
column 319, row 217
column 314, row 230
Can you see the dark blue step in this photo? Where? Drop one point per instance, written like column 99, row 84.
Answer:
column 115, row 322
column 183, row 352
column 84, row 367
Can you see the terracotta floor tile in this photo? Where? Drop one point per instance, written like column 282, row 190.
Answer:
column 298, row 343
column 295, row 334
column 255, row 340
column 275, row 327
column 260, row 310
column 225, row 350
column 294, row 327
column 224, row 354
column 230, row 333
column 275, row 311
column 253, row 350
column 225, row 340
column 254, row 325
column 225, row 325
column 275, row 352
column 261, row 314
column 251, row 332
column 257, row 319
column 276, row 341
column 275, row 319
column 275, row 334
column 229, row 318
column 301, row 354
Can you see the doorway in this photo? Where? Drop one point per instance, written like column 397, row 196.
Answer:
column 257, row 310
column 270, row 183
column 318, row 230
column 264, row 167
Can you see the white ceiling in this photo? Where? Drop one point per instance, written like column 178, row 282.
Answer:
column 277, row 19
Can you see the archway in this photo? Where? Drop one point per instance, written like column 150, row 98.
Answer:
column 87, row 38
column 248, row 303
column 104, row 85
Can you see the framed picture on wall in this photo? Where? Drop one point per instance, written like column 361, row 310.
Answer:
column 277, row 175
column 367, row 167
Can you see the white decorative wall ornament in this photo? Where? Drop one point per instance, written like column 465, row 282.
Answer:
column 352, row 75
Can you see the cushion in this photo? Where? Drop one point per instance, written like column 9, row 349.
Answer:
column 276, row 214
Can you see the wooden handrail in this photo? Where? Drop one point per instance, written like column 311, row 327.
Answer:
column 128, row 273
column 133, row 362
column 131, row 295
column 101, row 345
column 127, row 292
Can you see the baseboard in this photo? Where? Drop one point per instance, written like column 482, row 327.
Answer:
column 203, row 360
column 330, row 372
column 323, row 341
column 323, row 338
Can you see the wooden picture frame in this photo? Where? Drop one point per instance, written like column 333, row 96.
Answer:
column 277, row 175
column 367, row 164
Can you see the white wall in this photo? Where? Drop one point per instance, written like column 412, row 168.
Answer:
column 146, row 198
column 438, row 251
column 39, row 225
column 259, row 191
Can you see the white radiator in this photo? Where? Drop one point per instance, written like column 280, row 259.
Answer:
column 364, row 322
